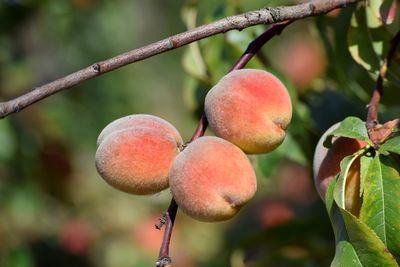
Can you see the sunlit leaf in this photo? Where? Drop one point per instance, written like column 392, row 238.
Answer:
column 381, row 206
column 391, row 145
column 351, row 127
column 345, row 255
column 368, row 39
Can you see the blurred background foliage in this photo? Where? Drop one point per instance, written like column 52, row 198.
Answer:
column 55, row 210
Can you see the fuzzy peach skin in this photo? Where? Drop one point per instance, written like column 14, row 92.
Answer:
column 326, row 165
column 212, row 179
column 140, row 120
column 250, row 108
column 137, row 159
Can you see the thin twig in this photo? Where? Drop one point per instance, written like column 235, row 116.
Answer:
column 239, row 22
column 164, row 259
column 374, row 133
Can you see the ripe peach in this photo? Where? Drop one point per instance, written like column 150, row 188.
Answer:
column 136, row 158
column 327, row 164
column 250, row 108
column 212, row 179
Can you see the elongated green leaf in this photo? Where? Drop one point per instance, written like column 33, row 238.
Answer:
column 370, row 249
column 365, row 161
column 391, row 182
column 381, row 205
column 373, row 211
column 340, row 188
column 345, row 255
column 334, row 214
column 391, row 145
column 351, row 127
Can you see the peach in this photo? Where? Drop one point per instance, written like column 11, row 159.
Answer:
column 137, row 158
column 326, row 165
column 212, row 179
column 250, row 108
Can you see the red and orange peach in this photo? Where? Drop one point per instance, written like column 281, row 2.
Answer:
column 135, row 153
column 250, row 108
column 212, row 179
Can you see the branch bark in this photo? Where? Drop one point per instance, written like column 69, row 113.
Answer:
column 239, row 22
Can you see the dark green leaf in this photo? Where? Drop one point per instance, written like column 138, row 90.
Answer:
column 365, row 161
column 345, row 254
column 370, row 249
column 351, row 127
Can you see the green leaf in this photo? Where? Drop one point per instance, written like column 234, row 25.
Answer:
column 345, row 255
column 391, row 145
column 381, row 206
column 350, row 127
column 365, row 161
column 340, row 188
column 334, row 213
column 193, row 63
column 370, row 249
column 391, row 173
column 192, row 59
column 368, row 39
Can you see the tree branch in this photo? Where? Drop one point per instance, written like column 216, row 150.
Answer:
column 239, row 22
column 378, row 132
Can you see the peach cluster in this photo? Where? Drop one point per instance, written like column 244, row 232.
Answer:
column 212, row 178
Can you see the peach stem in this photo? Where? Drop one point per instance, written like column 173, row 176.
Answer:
column 168, row 218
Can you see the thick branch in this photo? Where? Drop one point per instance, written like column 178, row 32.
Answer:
column 238, row 22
